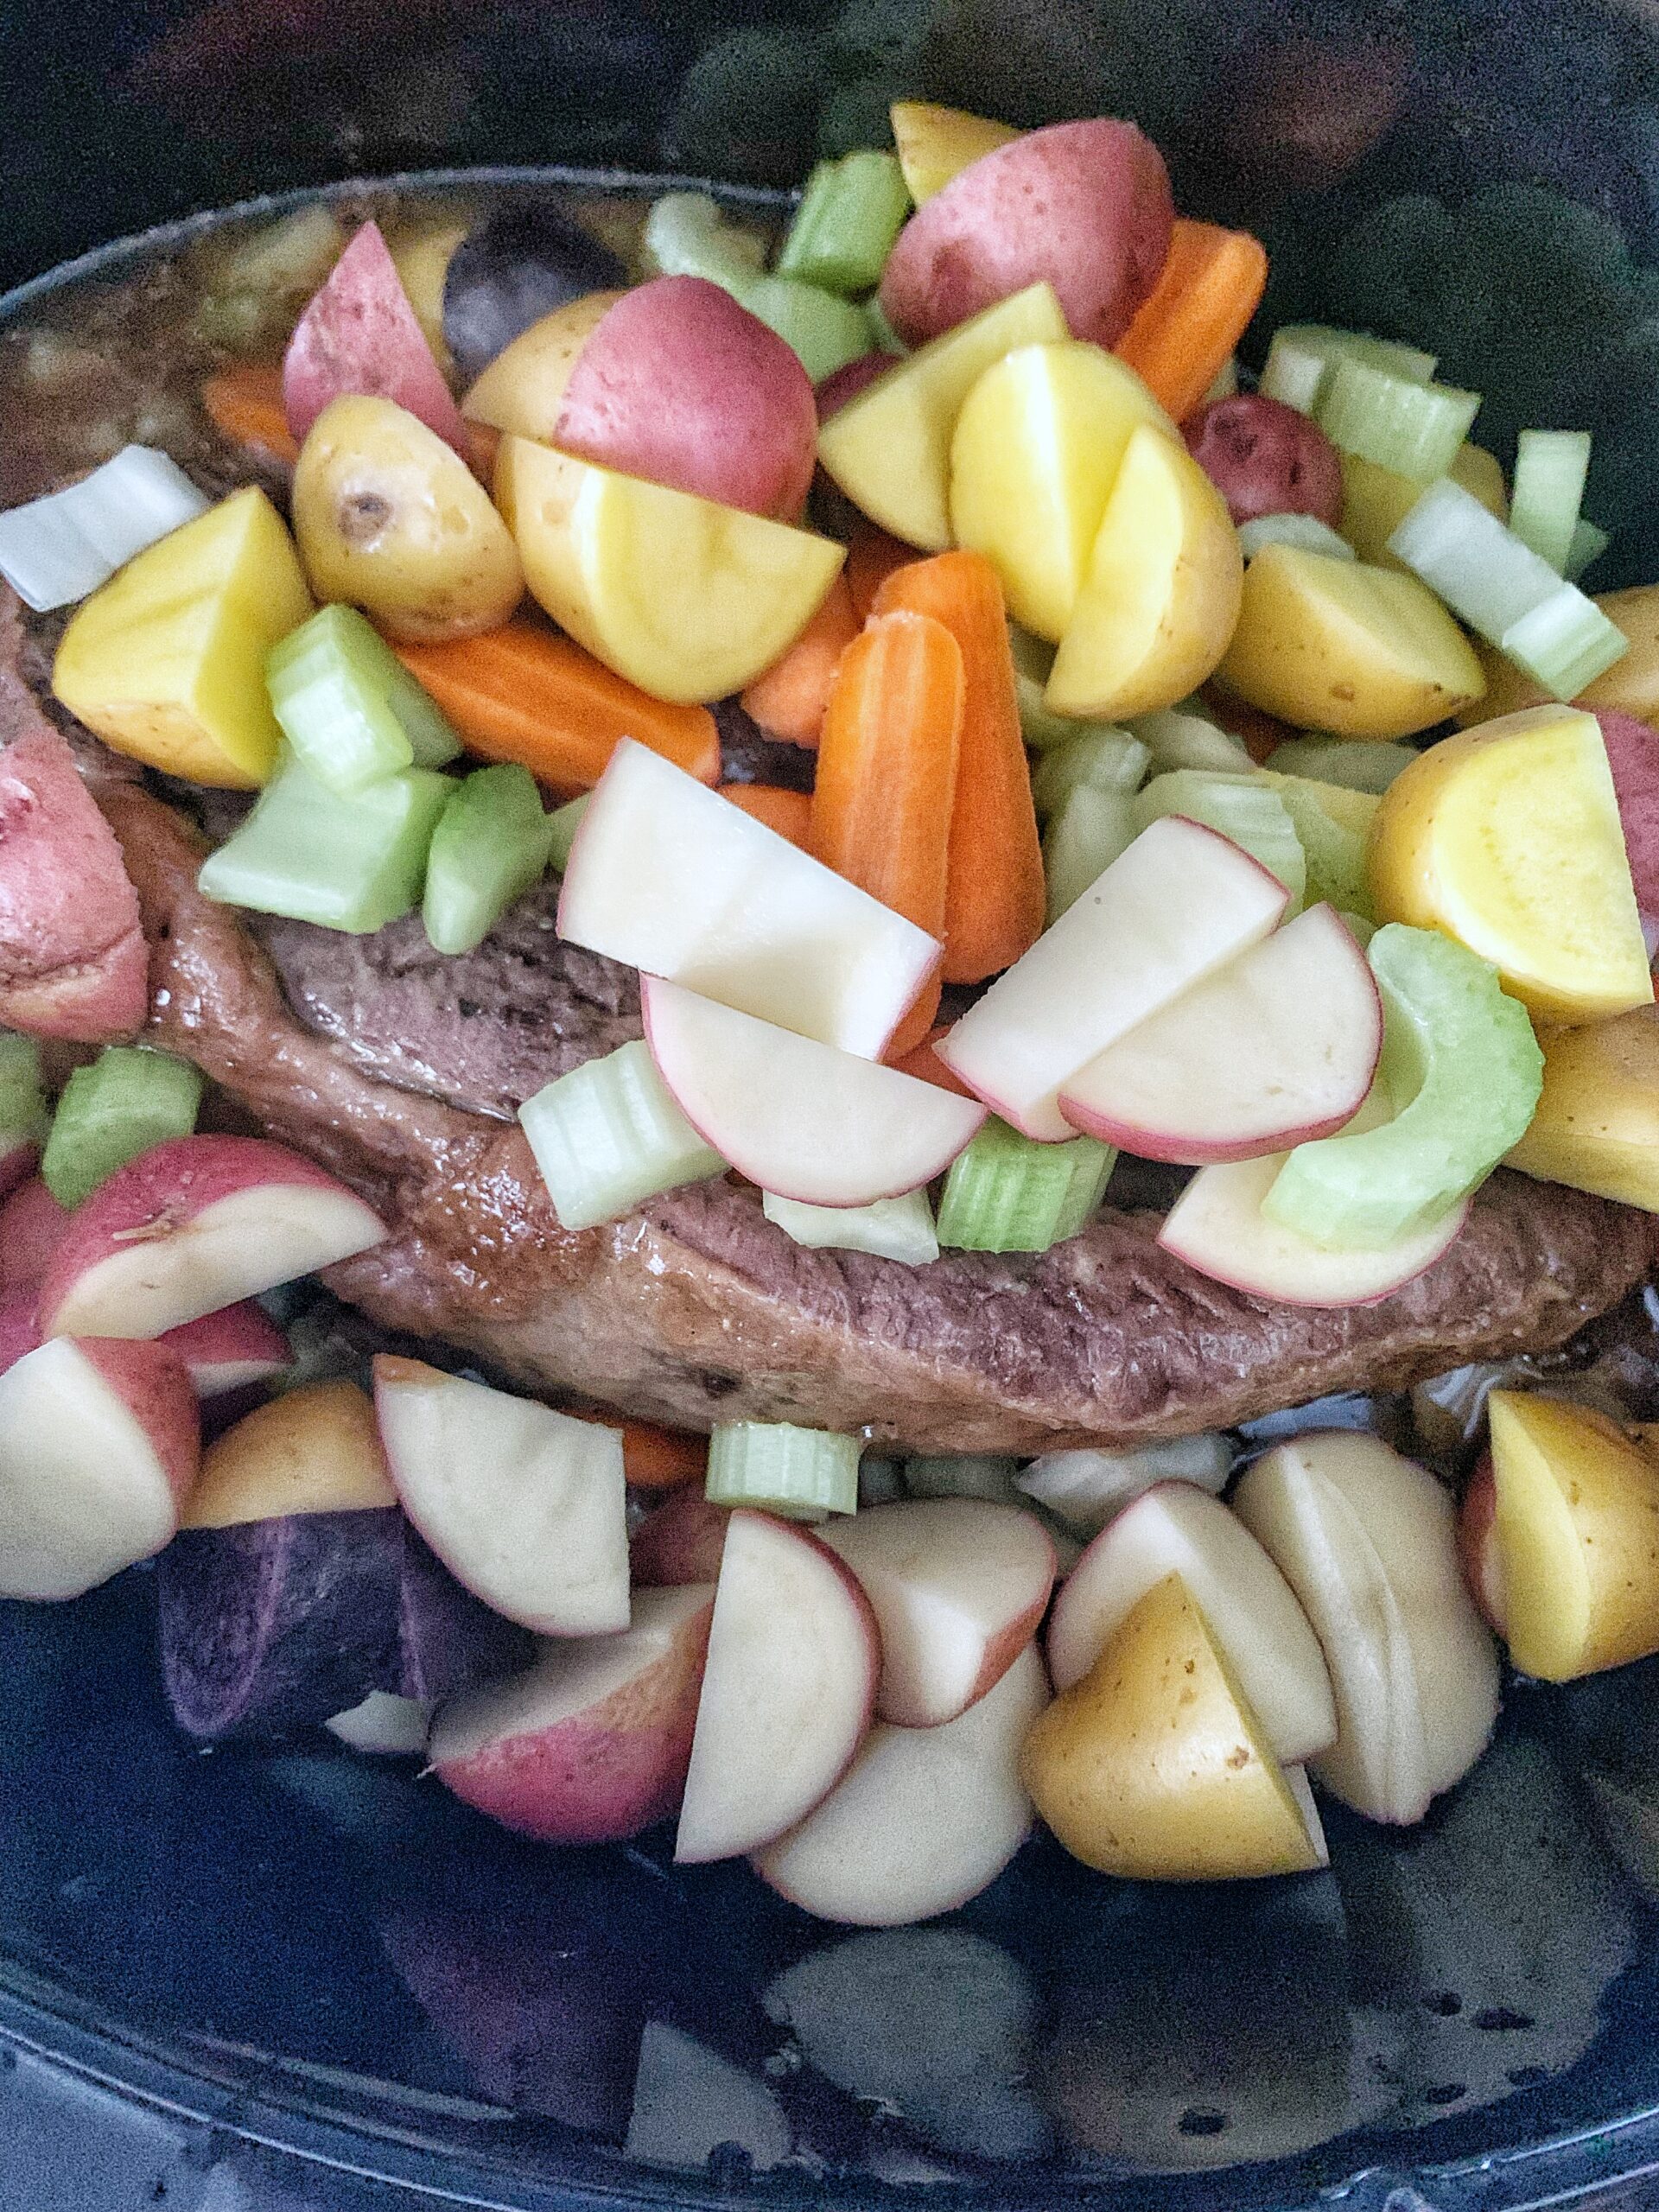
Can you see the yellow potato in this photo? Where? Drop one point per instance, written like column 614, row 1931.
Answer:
column 889, row 449
column 1578, row 1538
column 688, row 599
column 1375, row 501
column 1597, row 1126
column 314, row 1450
column 1036, row 448
column 1508, row 838
column 1153, row 1766
column 522, row 389
column 1631, row 684
column 391, row 519
column 167, row 663
column 422, row 259
column 1162, row 596
column 936, row 144
column 1340, row 645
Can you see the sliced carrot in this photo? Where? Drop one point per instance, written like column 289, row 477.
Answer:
column 887, row 775
column 788, row 699
column 922, row 1062
column 1183, row 336
column 993, row 907
column 246, row 404
column 653, row 1458
column 871, row 559
column 789, row 813
column 523, row 693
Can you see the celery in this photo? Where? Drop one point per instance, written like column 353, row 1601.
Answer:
column 491, row 842
column 23, row 1112
column 1182, row 737
column 353, row 864
column 1588, row 545
column 1358, row 764
column 1334, row 829
column 801, row 1473
column 1412, row 429
column 1550, row 468
column 1245, row 808
column 1303, row 358
column 1564, row 643
column 349, row 708
column 609, row 1135
column 1090, row 829
column 849, row 215
column 1008, row 1193
column 126, row 1100
column 686, row 235
column 884, row 339
column 892, row 1229
column 1099, row 757
column 1033, row 661
column 825, row 332
column 564, row 823
column 1305, row 531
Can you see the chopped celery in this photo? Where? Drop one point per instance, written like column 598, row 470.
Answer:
column 349, row 708
column 1361, row 927
column 1550, row 468
column 962, row 1474
column 884, row 339
column 564, row 823
column 491, row 844
column 1333, row 827
column 825, row 332
column 1245, row 808
column 892, row 1229
column 1008, row 1193
column 686, row 235
column 801, row 1473
column 1182, row 737
column 126, row 1100
column 1358, row 764
column 1412, row 429
column 1033, row 661
column 609, row 1135
column 1099, row 757
column 23, row 1112
column 62, row 546
column 1564, row 643
column 1086, row 1489
column 1303, row 358
column 353, row 864
column 1588, row 545
column 849, row 215
column 1463, row 1070
column 1305, row 531
column 1090, row 829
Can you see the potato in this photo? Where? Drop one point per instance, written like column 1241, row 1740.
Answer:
column 1266, row 459
column 1340, row 645
column 522, row 391
column 360, row 335
column 1085, row 205
column 1631, row 684
column 937, row 143
column 422, row 259
column 1375, row 501
column 1597, row 1126
column 389, row 518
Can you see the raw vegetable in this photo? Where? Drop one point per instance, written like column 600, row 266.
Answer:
column 1006, row 1194
column 1631, row 685
column 421, row 256
column 345, row 864
column 1333, row 826
column 687, row 235
column 1245, row 808
column 167, row 663
column 490, row 844
column 524, row 694
column 823, row 332
column 993, row 878
column 24, row 1122
column 1184, row 334
column 1597, row 1126
column 57, row 549
column 1265, row 458
column 1303, row 358
column 843, row 230
column 562, row 826
column 1187, row 737
column 1085, row 1489
column 1375, row 501
column 348, row 708
column 1305, row 531
column 1089, row 830
column 936, row 144
column 111, row 1111
column 523, row 392
column 871, row 556
column 789, row 699
column 360, row 337
column 1550, row 468
column 1096, row 758
column 315, row 1450
column 1588, row 544
column 1395, row 421
column 789, row 813
column 609, row 1135
column 1356, row 763
column 892, row 1229
column 800, row 1474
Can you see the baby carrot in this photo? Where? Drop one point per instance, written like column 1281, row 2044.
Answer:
column 1211, row 285
column 246, row 404
column 653, row 1458
column 788, row 699
column 789, row 813
column 994, row 906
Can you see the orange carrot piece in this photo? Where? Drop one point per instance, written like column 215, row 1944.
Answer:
column 1183, row 336
column 871, row 559
column 789, row 698
column 887, row 775
column 789, row 813
column 922, row 1062
column 993, row 907
column 246, row 404
column 653, row 1458
column 523, row 693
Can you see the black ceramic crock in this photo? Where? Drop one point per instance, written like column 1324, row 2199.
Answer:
column 271, row 1982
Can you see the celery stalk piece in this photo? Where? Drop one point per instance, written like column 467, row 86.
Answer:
column 1463, row 1070
column 1357, row 764
column 884, row 339
column 491, row 842
column 1099, row 757
column 609, row 1135
column 349, row 708
column 61, row 547
column 825, row 331
column 1333, row 826
column 1550, row 468
column 1566, row 642
column 564, row 823
column 1034, row 663
column 126, row 1100
column 1305, row 531
column 352, row 864
column 23, row 1112
column 1303, row 358
column 1090, row 829
column 892, row 1229
column 1412, row 429
column 1245, row 808
column 1008, row 1193
column 1185, row 737
column 1588, row 545
column 686, row 235
column 849, row 215
column 803, row 1474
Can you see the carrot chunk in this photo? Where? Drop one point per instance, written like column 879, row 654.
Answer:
column 1184, row 335
column 788, row 700
column 789, row 813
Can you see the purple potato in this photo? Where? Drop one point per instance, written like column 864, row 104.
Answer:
column 515, row 267
column 268, row 1627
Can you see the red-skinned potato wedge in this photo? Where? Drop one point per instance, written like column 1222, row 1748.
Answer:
column 72, row 959
column 194, row 1224
column 1477, row 1552
column 789, row 813
column 360, row 336
column 1184, row 334
column 231, row 1349
column 850, row 380
column 679, row 1541
column 100, row 1446
column 1086, row 206
column 1633, row 756
column 1266, row 459
column 20, row 1325
column 790, row 700
column 679, row 385
column 32, row 1226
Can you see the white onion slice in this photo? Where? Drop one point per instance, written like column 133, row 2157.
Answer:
column 57, row 549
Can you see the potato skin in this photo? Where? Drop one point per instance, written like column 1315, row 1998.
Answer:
column 1265, row 459
column 389, row 518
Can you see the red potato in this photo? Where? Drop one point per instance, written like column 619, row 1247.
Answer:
column 20, row 1325
column 19, row 1157
column 228, row 1349
column 72, row 959
column 32, row 1226
column 1633, row 756
column 681, row 1542
column 681, row 385
column 848, row 382
column 360, row 336
column 593, row 1744
column 1266, row 459
column 1477, row 1552
column 1086, row 206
